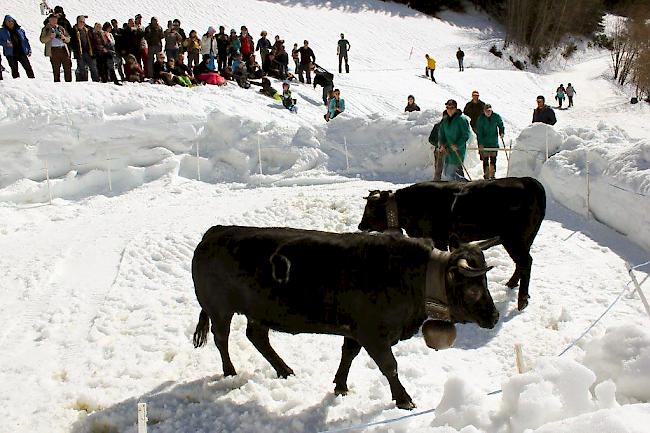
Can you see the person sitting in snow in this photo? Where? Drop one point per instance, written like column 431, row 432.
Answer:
column 287, row 101
column 161, row 72
column 337, row 105
column 132, row 70
column 267, row 89
column 411, row 105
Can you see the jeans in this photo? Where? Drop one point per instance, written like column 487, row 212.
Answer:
column 172, row 53
column 453, row 172
column 83, row 63
column 460, row 65
column 23, row 60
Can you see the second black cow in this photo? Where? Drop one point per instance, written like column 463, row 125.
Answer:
column 512, row 209
column 374, row 290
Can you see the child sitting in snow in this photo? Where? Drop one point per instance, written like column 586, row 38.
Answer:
column 288, row 102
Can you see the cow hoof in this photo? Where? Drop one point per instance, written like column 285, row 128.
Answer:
column 406, row 405
column 522, row 303
column 285, row 373
column 341, row 390
column 512, row 283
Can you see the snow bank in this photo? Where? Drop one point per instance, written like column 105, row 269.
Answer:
column 618, row 170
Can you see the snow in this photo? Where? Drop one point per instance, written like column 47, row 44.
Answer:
column 98, row 306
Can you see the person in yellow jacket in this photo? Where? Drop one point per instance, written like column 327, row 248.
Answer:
column 431, row 66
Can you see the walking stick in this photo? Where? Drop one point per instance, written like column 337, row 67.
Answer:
column 505, row 149
column 461, row 163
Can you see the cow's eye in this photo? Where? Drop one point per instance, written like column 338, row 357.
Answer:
column 473, row 294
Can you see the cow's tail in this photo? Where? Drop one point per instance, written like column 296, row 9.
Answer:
column 201, row 333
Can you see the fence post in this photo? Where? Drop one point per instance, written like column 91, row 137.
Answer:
column 108, row 169
column 588, row 183
column 547, row 144
column 198, row 162
column 142, row 418
column 638, row 288
column 47, row 176
column 519, row 358
column 259, row 153
column 345, row 147
column 411, row 53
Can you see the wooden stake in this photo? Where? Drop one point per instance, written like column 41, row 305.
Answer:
column 47, row 176
column 259, row 153
column 198, row 162
column 644, row 300
column 519, row 358
column 347, row 160
column 588, row 183
column 142, row 418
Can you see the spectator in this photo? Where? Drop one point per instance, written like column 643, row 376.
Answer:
column 543, row 113
column 570, row 92
column 434, row 140
column 132, row 70
column 411, row 105
column 154, row 36
column 560, row 94
column 253, row 68
column 454, row 134
column 178, row 74
column 282, row 60
column 81, row 42
column 295, row 55
column 62, row 20
column 342, row 49
column 192, row 45
column 234, row 47
column 489, row 128
column 222, row 48
column 15, row 46
column 176, row 24
column 108, row 54
column 120, row 49
column 326, row 80
column 205, row 75
column 337, row 105
column 55, row 38
column 473, row 109
column 287, row 100
column 142, row 47
column 267, row 89
column 173, row 42
column 209, row 48
column 271, row 66
column 307, row 57
column 247, row 43
column 161, row 72
column 431, row 66
column 277, row 42
column 460, row 55
column 263, row 45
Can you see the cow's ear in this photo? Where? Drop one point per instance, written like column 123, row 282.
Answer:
column 373, row 194
column 487, row 243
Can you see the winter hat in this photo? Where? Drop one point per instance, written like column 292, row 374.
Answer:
column 211, row 30
column 487, row 106
column 451, row 102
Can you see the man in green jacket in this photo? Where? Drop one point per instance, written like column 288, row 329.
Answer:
column 489, row 127
column 454, row 134
column 434, row 140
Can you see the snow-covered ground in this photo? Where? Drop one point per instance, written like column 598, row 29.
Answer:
column 98, row 305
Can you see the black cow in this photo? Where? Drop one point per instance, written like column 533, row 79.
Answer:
column 371, row 289
column 510, row 208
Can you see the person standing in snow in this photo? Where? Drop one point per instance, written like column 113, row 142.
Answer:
column 570, row 92
column 82, row 46
column 438, row 156
column 431, row 66
column 342, row 49
column 543, row 113
column 454, row 134
column 282, row 60
column 173, row 42
column 209, row 48
column 325, row 79
column 295, row 55
column 460, row 55
column 154, row 36
column 222, row 48
column 56, row 39
column 560, row 94
column 247, row 43
column 307, row 57
column 15, row 46
column 263, row 45
column 192, row 45
column 489, row 128
column 473, row 109
column 141, row 48
column 411, row 105
column 337, row 105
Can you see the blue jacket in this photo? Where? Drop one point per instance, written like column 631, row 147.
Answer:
column 5, row 39
column 332, row 106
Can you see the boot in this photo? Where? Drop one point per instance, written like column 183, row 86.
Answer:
column 347, row 68
column 491, row 170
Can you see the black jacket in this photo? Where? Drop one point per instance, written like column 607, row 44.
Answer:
column 306, row 55
column 474, row 111
column 545, row 115
column 323, row 79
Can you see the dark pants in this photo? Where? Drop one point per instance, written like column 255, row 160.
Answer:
column 83, row 63
column 439, row 160
column 297, row 65
column 560, row 101
column 222, row 60
column 326, row 90
column 192, row 59
column 151, row 58
column 304, row 68
column 427, row 74
column 172, row 53
column 460, row 65
column 489, row 164
column 570, row 101
column 142, row 56
column 23, row 60
column 1, row 68
column 59, row 56
column 344, row 56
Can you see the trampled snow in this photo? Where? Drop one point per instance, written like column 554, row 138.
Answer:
column 98, row 305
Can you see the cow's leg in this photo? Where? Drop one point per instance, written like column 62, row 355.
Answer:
column 259, row 336
column 523, row 263
column 349, row 351
column 221, row 331
column 383, row 357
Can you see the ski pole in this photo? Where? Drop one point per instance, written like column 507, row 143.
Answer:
column 504, row 147
column 461, row 163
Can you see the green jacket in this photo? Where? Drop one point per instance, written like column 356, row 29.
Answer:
column 434, row 135
column 486, row 130
column 454, row 130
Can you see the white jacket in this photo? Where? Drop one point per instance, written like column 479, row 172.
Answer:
column 209, row 45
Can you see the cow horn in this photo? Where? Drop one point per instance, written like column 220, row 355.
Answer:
column 468, row 271
column 373, row 193
column 487, row 243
